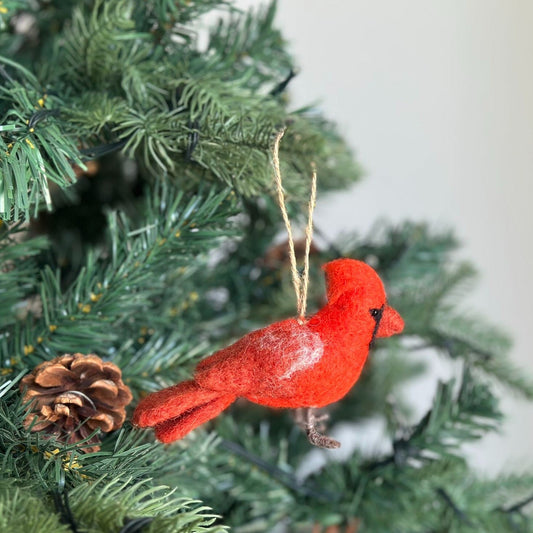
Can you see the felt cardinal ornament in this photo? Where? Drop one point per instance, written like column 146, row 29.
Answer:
column 289, row 364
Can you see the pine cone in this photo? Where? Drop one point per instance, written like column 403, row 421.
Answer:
column 73, row 395
column 278, row 256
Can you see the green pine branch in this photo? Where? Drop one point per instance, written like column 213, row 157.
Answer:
column 454, row 418
column 19, row 270
column 424, row 485
column 100, row 491
column 21, row 510
column 167, row 13
column 250, row 46
column 167, row 105
column 34, row 150
column 119, row 284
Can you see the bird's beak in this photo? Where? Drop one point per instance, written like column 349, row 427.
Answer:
column 391, row 323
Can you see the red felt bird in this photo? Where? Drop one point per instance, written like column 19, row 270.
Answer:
column 287, row 364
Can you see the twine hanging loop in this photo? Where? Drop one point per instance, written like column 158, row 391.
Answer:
column 300, row 282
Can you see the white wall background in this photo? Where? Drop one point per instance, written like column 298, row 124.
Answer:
column 437, row 99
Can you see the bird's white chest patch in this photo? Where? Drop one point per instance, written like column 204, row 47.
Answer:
column 300, row 349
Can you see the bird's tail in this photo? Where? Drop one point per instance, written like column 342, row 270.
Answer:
column 179, row 409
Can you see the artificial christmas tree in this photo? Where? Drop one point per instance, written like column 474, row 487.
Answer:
column 160, row 254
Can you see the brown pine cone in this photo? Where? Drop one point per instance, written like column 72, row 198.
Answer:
column 72, row 395
column 277, row 256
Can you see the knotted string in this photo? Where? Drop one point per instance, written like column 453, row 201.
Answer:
column 299, row 282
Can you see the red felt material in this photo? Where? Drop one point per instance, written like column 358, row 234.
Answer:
column 286, row 364
column 177, row 428
column 171, row 403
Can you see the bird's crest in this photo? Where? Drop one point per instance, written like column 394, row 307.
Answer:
column 348, row 274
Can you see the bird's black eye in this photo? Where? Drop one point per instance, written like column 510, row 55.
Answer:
column 375, row 312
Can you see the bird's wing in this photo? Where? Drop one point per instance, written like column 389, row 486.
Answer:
column 263, row 361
